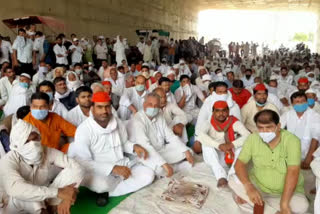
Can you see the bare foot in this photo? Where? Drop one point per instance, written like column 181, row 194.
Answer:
column 222, row 183
column 313, row 191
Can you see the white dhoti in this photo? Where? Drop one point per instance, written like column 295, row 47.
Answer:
column 192, row 115
column 141, row 176
column 215, row 159
column 298, row 204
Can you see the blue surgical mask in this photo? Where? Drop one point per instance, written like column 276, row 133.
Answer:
column 300, row 107
column 311, row 101
column 140, row 88
column 24, row 84
column 260, row 104
column 152, row 112
column 50, row 94
column 39, row 114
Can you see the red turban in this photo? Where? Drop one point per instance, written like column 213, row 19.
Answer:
column 303, row 80
column 260, row 87
column 101, row 97
column 106, row 83
column 220, row 104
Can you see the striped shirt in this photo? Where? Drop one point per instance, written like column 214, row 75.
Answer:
column 270, row 165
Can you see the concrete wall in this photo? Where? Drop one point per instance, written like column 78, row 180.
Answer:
column 109, row 17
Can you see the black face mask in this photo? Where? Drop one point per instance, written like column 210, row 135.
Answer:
column 248, row 76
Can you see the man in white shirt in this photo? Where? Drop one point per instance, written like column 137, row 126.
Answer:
column 6, row 83
column 42, row 74
column 76, row 52
column 165, row 84
column 140, row 45
column 174, row 116
column 163, row 67
column 103, row 68
column 313, row 100
column 186, row 96
column 285, row 77
column 132, row 99
column 22, row 52
column 304, row 123
column 184, row 69
column 20, row 95
column 117, row 83
column 82, row 111
column 222, row 137
column 248, row 79
column 101, row 50
column 100, row 144
column 35, row 177
column 38, row 54
column 54, row 105
column 61, row 53
column 149, row 128
column 6, row 51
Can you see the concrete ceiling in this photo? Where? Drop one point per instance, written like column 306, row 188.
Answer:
column 305, row 5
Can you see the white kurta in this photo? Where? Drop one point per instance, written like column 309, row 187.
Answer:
column 147, row 54
column 130, row 97
column 206, row 111
column 59, row 109
column 211, row 139
column 18, row 97
column 117, row 86
column 305, row 127
column 119, row 48
column 247, row 82
column 24, row 188
column 76, row 116
column 158, row 139
column 40, row 77
column 315, row 166
column 173, row 116
column 6, row 87
column 99, row 150
column 76, row 56
column 57, row 49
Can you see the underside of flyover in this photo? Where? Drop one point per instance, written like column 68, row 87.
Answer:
column 113, row 17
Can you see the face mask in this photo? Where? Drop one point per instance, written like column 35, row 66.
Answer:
column 39, row 114
column 50, row 94
column 140, row 88
column 300, row 107
column 43, row 70
column 260, row 104
column 146, row 74
column 152, row 112
column 31, row 152
column 273, row 90
column 267, row 137
column 78, row 71
column 311, row 101
column 311, row 79
column 222, row 97
column 248, row 76
column 24, row 84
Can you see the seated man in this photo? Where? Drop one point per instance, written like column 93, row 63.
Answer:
column 151, row 131
column 19, row 95
column 165, row 84
column 27, row 172
column 222, row 138
column 49, row 124
column 186, row 97
column 239, row 94
column 82, row 111
column 275, row 179
column 63, row 94
column 55, row 105
column 132, row 99
column 304, row 123
column 100, row 144
column 313, row 100
column 259, row 103
column 174, row 116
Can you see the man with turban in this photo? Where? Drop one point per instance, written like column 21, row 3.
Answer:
column 100, row 144
column 29, row 179
column 222, row 138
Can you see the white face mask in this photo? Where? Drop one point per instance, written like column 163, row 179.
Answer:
column 31, row 152
column 146, row 74
column 43, row 69
column 267, row 137
column 222, row 97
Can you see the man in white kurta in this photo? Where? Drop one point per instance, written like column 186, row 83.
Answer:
column 184, row 69
column 19, row 96
column 165, row 84
column 118, row 84
column 27, row 171
column 150, row 130
column 255, row 105
column 186, row 96
column 214, row 142
column 313, row 100
column 305, row 124
column 6, row 83
column 100, row 144
column 82, row 111
column 132, row 99
column 119, row 48
column 174, row 116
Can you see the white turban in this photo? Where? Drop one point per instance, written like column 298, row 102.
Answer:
column 169, row 72
column 176, row 66
column 310, row 91
column 206, row 77
column 20, row 133
column 181, row 61
column 201, row 68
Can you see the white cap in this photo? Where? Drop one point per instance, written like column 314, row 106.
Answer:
column 181, row 61
column 146, row 64
column 274, row 77
column 25, row 75
column 169, row 72
column 310, row 91
column 154, row 73
column 176, row 66
column 101, row 37
column 75, row 39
